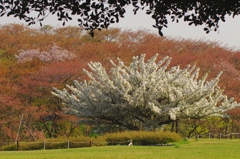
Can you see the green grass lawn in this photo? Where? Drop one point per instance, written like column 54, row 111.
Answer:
column 201, row 149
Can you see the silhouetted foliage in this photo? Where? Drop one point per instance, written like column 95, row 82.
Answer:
column 93, row 14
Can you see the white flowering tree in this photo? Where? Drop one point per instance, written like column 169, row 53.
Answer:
column 54, row 53
column 144, row 95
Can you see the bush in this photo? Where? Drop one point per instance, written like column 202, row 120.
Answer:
column 120, row 138
column 143, row 137
column 23, row 146
column 11, row 147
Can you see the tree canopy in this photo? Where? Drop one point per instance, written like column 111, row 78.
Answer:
column 144, row 95
column 97, row 14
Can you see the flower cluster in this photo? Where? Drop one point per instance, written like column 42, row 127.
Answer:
column 54, row 53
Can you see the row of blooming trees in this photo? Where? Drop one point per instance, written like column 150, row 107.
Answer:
column 25, row 87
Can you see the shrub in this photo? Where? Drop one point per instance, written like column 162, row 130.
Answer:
column 11, row 147
column 120, row 138
column 23, row 146
column 143, row 137
column 55, row 145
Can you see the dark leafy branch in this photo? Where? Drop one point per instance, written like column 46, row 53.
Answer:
column 98, row 14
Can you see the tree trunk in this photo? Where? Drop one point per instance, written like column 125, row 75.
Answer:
column 172, row 129
column 177, row 126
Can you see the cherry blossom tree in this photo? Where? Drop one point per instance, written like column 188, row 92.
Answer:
column 54, row 53
column 144, row 95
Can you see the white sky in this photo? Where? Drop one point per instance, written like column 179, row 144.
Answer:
column 228, row 34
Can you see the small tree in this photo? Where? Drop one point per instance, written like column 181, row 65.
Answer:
column 144, row 95
column 54, row 53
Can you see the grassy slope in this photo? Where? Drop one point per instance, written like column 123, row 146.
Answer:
column 201, row 149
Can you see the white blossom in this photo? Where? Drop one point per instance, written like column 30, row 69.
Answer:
column 54, row 53
column 145, row 94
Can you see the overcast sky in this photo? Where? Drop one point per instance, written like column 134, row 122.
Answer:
column 228, row 34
